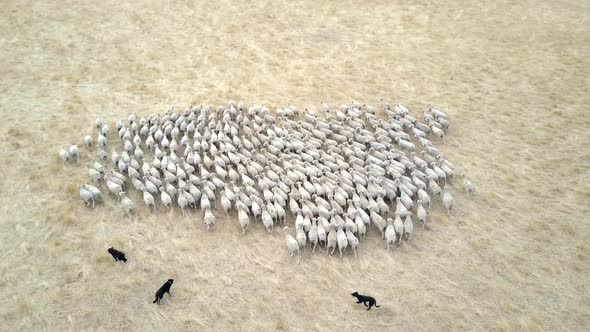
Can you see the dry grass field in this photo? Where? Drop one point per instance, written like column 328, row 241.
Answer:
column 514, row 78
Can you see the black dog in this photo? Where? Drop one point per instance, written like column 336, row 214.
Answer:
column 364, row 299
column 163, row 290
column 117, row 255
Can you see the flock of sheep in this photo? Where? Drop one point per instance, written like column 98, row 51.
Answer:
column 337, row 172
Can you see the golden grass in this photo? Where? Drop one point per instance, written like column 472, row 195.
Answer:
column 512, row 77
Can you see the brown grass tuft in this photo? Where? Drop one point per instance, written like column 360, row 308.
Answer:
column 281, row 325
column 22, row 307
column 72, row 189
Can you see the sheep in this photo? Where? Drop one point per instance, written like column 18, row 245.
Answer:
column 400, row 208
column 225, row 203
column 398, row 226
column 313, row 235
column 423, row 196
column 97, row 166
column 148, row 199
column 126, row 203
column 113, row 187
column 102, row 141
column 98, row 123
column 468, row 186
column 88, row 141
column 353, row 242
column 406, row 200
column 300, row 237
column 390, row 236
column 408, row 227
column 321, row 232
column 101, row 154
column 342, row 240
column 244, row 220
column 292, row 244
column 205, row 203
column 360, row 226
column 190, row 199
column 443, row 122
column 74, row 153
column 182, row 201
column 437, row 114
column 438, row 132
column 209, row 218
column 447, row 201
column 307, row 221
column 166, row 199
column 267, row 221
column 94, row 175
column 95, row 192
column 408, row 146
column 332, row 241
column 64, row 155
column 86, row 196
column 421, row 213
column 434, row 187
column 350, row 224
column 281, row 213
column 379, row 222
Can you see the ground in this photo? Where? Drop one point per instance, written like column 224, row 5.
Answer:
column 513, row 77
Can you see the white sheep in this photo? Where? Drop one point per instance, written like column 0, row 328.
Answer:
column 101, row 140
column 209, row 218
column 300, row 237
column 126, row 203
column 94, row 175
column 332, row 241
column 281, row 213
column 321, row 232
column 114, row 188
column 244, row 220
column 166, row 199
column 267, row 221
column 353, row 242
column 342, row 240
column 438, row 132
column 408, row 146
column 390, row 236
column 205, row 203
column 292, row 244
column 86, row 196
column 88, row 141
column 95, row 192
column 101, row 154
column 97, row 166
column 423, row 196
column 64, row 155
column 313, row 235
column 148, row 199
column 379, row 222
column 98, row 123
column 181, row 200
column 434, row 187
column 74, row 152
column 468, row 186
column 360, row 226
column 400, row 208
column 398, row 226
column 408, row 227
column 421, row 213
column 447, row 201
column 225, row 203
